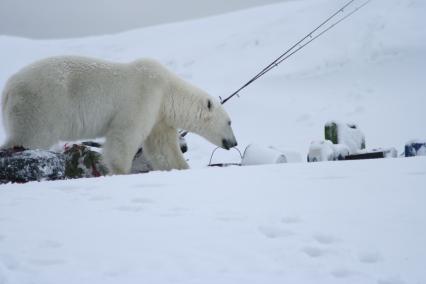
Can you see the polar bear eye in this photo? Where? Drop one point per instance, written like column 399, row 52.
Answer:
column 209, row 104
column 229, row 123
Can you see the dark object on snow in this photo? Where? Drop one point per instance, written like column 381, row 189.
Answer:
column 415, row 148
column 364, row 156
column 83, row 162
column 21, row 165
column 77, row 161
column 140, row 164
column 223, row 164
column 374, row 154
column 92, row 144
column 182, row 144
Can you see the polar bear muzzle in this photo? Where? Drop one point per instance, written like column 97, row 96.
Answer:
column 228, row 144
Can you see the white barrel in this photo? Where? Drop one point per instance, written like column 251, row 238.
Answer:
column 260, row 155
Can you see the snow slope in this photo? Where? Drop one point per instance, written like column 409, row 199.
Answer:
column 349, row 222
column 369, row 69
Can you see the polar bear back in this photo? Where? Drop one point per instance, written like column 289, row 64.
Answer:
column 77, row 94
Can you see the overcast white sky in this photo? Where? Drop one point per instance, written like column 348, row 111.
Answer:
column 76, row 18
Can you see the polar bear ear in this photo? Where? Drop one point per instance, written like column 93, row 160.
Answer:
column 209, row 104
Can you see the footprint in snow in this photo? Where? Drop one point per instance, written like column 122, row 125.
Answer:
column 370, row 257
column 344, row 273
column 417, row 173
column 50, row 244
column 149, row 185
column 314, row 252
column 129, row 208
column 324, row 239
column 391, row 280
column 291, row 220
column 329, row 178
column 47, row 262
column 99, row 198
column 142, row 201
column 275, row 232
column 231, row 218
column 175, row 212
column 67, row 189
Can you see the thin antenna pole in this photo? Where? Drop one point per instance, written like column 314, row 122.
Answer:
column 297, row 47
column 289, row 52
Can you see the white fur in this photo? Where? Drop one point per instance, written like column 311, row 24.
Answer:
column 133, row 104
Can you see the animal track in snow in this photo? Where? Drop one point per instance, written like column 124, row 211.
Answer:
column 151, row 185
column 314, row 252
column 324, row 239
column 50, row 244
column 130, row 208
column 332, row 177
column 391, row 280
column 47, row 262
column 370, row 257
column 344, row 273
column 275, row 232
column 142, row 200
column 416, row 173
column 99, row 198
column 291, row 220
column 175, row 212
column 231, row 218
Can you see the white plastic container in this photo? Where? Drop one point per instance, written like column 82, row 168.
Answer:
column 260, row 155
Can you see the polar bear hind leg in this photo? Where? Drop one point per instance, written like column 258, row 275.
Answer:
column 162, row 149
column 24, row 122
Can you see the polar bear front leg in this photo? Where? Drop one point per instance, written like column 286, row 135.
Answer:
column 124, row 137
column 120, row 147
column 162, row 149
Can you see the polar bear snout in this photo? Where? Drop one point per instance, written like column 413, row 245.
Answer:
column 228, row 143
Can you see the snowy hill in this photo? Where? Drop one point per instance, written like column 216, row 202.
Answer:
column 349, row 222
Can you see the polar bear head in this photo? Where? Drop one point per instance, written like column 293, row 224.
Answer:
column 214, row 124
column 187, row 107
column 192, row 109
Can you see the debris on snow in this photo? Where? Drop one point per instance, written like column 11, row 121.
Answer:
column 345, row 133
column 81, row 162
column 374, row 154
column 415, row 148
column 325, row 150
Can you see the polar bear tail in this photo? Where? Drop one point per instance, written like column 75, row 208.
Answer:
column 4, row 106
column 4, row 101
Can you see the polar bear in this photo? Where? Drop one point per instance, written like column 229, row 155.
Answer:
column 134, row 104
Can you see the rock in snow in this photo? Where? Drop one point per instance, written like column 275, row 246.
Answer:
column 21, row 165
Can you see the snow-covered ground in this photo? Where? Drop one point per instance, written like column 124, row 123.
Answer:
column 349, row 222
column 342, row 222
